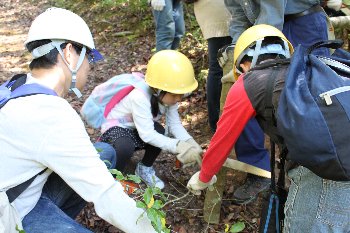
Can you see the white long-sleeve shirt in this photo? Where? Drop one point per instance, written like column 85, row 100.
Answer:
column 134, row 111
column 41, row 131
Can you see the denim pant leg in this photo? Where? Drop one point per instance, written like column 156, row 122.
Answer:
column 107, row 154
column 56, row 209
column 179, row 20
column 165, row 26
column 59, row 204
column 307, row 30
column 250, row 146
column 316, row 205
column 214, row 79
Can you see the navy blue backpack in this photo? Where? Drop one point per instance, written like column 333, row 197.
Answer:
column 14, row 88
column 313, row 115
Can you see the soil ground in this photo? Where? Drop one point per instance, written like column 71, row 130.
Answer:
column 123, row 55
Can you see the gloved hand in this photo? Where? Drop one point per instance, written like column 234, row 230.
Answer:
column 225, row 59
column 195, row 144
column 187, row 153
column 157, row 5
column 195, row 185
column 334, row 4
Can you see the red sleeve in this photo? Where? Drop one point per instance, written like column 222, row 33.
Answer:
column 238, row 110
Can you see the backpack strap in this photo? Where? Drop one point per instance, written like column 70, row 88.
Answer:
column 16, row 81
column 116, row 99
column 140, row 84
column 272, row 63
column 14, row 192
column 268, row 122
column 332, row 44
column 17, row 87
column 270, row 127
column 279, row 193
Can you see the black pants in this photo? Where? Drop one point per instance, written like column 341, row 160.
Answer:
column 126, row 142
column 214, row 79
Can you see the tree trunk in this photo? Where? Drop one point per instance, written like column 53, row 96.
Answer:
column 213, row 199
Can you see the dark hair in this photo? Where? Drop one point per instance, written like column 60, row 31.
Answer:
column 49, row 60
column 154, row 106
column 155, row 101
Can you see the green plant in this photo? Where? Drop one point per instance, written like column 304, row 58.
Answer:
column 151, row 200
column 19, row 230
column 202, row 77
column 235, row 228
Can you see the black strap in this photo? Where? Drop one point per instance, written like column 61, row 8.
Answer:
column 272, row 165
column 313, row 9
column 270, row 127
column 281, row 178
column 331, row 44
column 16, row 81
column 269, row 123
column 14, row 192
column 281, row 167
column 272, row 63
column 268, row 108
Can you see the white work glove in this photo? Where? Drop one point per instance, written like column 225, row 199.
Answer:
column 334, row 4
column 188, row 154
column 195, row 144
column 157, row 5
column 195, row 185
column 225, row 60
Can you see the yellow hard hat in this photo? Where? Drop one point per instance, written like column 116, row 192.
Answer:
column 254, row 36
column 171, row 71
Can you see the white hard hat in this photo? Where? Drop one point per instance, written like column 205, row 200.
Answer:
column 60, row 24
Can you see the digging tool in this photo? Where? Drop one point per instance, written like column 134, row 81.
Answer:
column 244, row 167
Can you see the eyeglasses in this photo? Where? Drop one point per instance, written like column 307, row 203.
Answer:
column 90, row 56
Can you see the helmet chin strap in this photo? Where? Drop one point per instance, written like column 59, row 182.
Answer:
column 160, row 94
column 45, row 49
column 256, row 52
column 73, row 71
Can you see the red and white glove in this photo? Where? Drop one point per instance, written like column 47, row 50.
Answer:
column 157, row 5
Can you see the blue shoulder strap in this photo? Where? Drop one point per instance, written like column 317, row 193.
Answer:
column 6, row 92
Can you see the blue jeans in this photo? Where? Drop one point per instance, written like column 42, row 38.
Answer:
column 107, row 154
column 316, row 205
column 170, row 25
column 214, row 79
column 59, row 204
column 250, row 146
column 307, row 30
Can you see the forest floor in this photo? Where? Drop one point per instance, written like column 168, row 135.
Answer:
column 124, row 54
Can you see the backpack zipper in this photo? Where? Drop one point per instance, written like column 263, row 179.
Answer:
column 328, row 94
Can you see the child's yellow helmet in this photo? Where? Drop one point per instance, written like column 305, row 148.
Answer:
column 254, row 36
column 171, row 71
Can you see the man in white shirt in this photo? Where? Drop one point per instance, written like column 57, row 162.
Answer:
column 43, row 131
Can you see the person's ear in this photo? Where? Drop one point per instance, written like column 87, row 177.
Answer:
column 245, row 66
column 68, row 53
